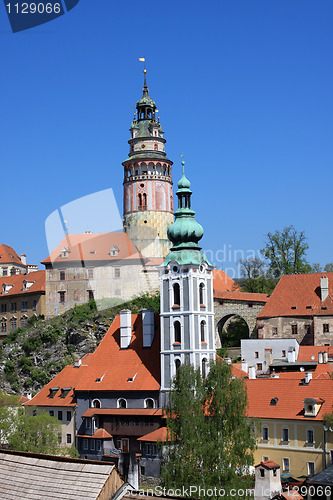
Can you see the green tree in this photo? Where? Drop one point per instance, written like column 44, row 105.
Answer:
column 236, row 330
column 211, row 441
column 329, row 268
column 286, row 252
column 255, row 277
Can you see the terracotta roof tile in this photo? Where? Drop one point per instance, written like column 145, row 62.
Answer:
column 243, row 296
column 290, row 394
column 236, row 370
column 300, row 291
column 111, row 367
column 306, row 352
column 16, row 283
column 67, row 378
column 155, row 436
column 94, row 247
column 223, row 282
column 269, row 464
column 9, row 256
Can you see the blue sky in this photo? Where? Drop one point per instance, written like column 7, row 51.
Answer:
column 244, row 91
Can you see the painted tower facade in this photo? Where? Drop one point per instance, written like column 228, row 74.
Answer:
column 148, row 202
column 187, row 306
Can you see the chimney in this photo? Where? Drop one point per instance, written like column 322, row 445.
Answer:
column 323, row 287
column 291, row 356
column 252, row 372
column 244, row 365
column 320, row 357
column 77, row 363
column 125, row 328
column 148, row 327
column 325, row 356
column 308, row 377
column 24, row 259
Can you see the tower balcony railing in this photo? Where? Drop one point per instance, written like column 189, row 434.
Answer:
column 147, row 176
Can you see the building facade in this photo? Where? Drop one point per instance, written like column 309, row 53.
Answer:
column 11, row 264
column 148, row 201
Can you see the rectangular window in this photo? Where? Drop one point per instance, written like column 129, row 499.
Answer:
column 274, row 330
column 88, row 423
column 265, row 434
column 51, row 412
column 13, row 307
column 285, row 464
column 265, row 458
column 3, row 308
column 13, row 325
column 3, row 326
column 256, row 354
column 326, row 329
column 90, row 274
column 285, row 435
column 62, row 297
column 5, row 271
column 311, row 468
column 283, row 353
column 62, row 275
column 24, row 322
column 85, row 444
column 69, row 416
column 24, row 305
column 98, row 445
column 92, row 445
column 69, row 438
column 117, row 272
column 259, row 366
column 294, row 329
column 90, row 295
column 59, row 415
column 309, row 436
column 34, row 305
column 307, row 328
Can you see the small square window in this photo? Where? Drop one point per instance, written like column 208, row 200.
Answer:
column 311, row 468
column 51, row 412
column 274, row 330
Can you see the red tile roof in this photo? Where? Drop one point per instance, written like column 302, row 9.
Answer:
column 114, row 366
column 9, row 256
column 223, row 282
column 67, row 378
column 290, row 396
column 242, row 296
column 160, row 434
column 306, row 352
column 123, row 411
column 236, row 370
column 301, row 291
column 322, row 371
column 16, row 283
column 291, row 495
column 269, row 464
column 94, row 247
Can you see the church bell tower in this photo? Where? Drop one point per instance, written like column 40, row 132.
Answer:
column 148, row 203
column 187, row 305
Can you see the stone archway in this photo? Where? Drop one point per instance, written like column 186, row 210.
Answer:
column 221, row 326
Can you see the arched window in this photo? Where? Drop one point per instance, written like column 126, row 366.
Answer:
column 96, row 403
column 140, row 201
column 155, row 146
column 176, row 294
column 177, row 364
column 202, row 293
column 122, row 403
column 149, row 403
column 177, row 331
column 204, row 368
column 144, row 203
column 203, row 331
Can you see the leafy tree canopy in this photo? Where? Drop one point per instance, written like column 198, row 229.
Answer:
column 255, row 276
column 211, row 440
column 286, row 252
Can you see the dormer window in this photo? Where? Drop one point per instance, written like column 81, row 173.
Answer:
column 53, row 391
column 274, row 401
column 312, row 406
column 64, row 253
column 114, row 250
column 65, row 391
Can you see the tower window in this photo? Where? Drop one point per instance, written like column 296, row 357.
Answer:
column 203, row 331
column 177, row 364
column 176, row 294
column 155, row 147
column 122, row 403
column 140, row 201
column 202, row 293
column 203, row 367
column 177, row 331
column 144, row 200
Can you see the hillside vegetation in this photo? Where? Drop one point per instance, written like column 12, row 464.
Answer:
column 31, row 357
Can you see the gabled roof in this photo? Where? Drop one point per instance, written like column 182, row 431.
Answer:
column 31, row 476
column 56, row 392
column 290, row 395
column 299, row 295
column 223, row 282
column 9, row 256
column 242, row 296
column 135, row 368
column 16, row 283
column 93, row 247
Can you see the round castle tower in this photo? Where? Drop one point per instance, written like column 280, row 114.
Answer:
column 148, row 202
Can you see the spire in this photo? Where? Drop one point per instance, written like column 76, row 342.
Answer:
column 185, row 232
column 145, row 89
